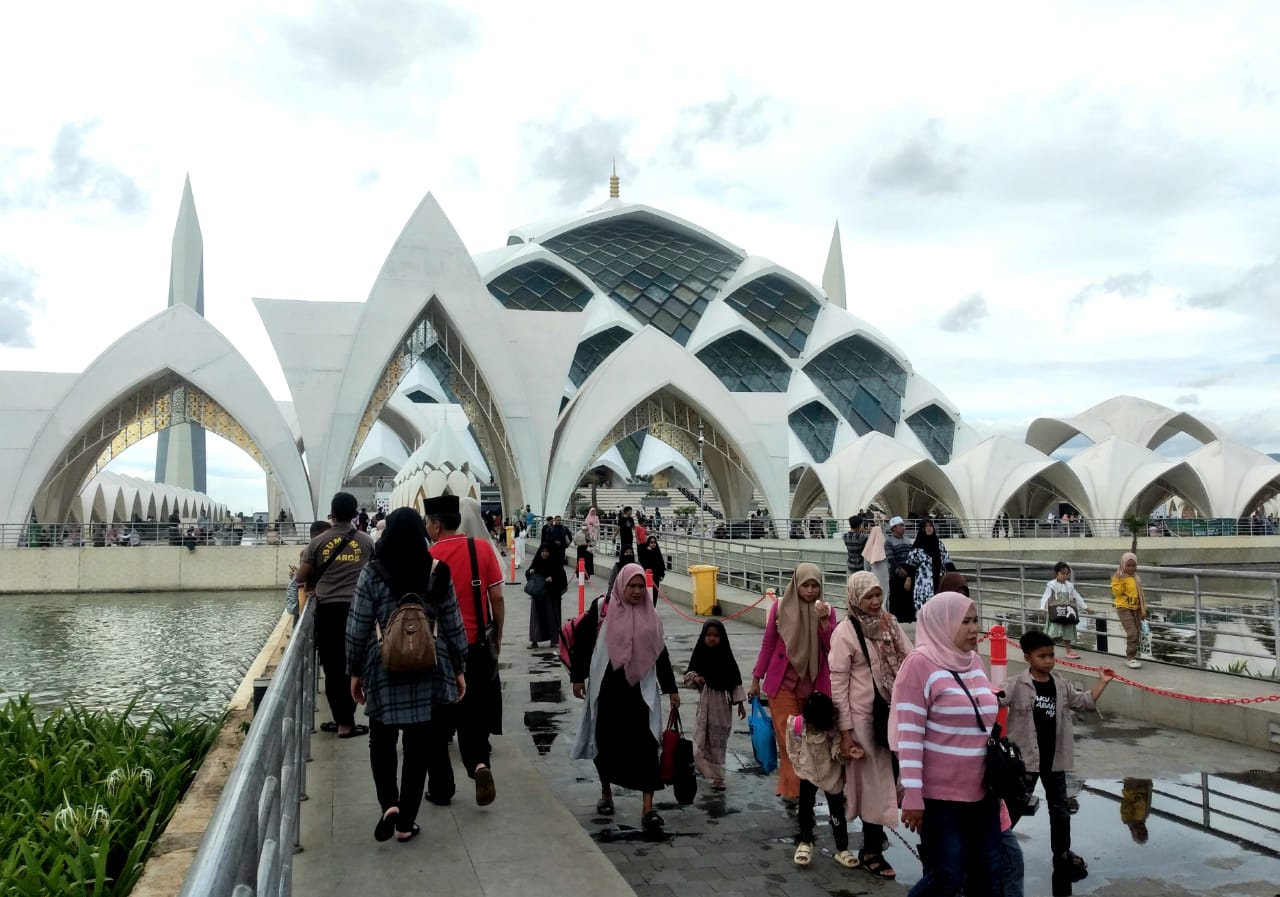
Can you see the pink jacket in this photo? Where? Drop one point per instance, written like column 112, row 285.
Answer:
column 772, row 663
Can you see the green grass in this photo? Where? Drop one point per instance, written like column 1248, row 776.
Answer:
column 85, row 793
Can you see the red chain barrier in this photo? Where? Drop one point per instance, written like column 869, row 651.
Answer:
column 1200, row 699
column 676, row 608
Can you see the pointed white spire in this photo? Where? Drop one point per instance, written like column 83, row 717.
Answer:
column 186, row 265
column 833, row 273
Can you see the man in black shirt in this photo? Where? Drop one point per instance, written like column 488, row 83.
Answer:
column 626, row 529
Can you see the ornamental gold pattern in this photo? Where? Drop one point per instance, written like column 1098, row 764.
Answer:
column 668, row 417
column 152, row 407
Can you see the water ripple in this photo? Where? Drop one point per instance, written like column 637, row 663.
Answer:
column 179, row 652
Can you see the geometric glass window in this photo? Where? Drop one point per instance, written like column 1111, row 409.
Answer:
column 816, row 427
column 778, row 307
column 863, row 382
column 662, row 277
column 537, row 286
column 593, row 350
column 936, row 430
column 744, row 364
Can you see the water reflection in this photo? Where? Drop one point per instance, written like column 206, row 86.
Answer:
column 1199, row 832
column 177, row 651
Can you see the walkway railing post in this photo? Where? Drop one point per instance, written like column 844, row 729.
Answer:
column 1022, row 593
column 1199, row 606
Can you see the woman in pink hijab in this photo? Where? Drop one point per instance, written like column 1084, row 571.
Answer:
column 622, row 725
column 942, row 709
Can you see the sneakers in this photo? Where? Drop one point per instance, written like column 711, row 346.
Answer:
column 1133, row 664
column 486, row 791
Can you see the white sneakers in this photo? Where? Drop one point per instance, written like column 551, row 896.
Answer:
column 1133, row 664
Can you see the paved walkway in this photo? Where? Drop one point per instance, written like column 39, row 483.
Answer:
column 542, row 835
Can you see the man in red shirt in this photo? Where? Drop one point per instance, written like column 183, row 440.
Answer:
column 479, row 591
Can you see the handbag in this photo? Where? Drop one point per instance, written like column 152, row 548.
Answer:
column 879, row 706
column 1005, row 773
column 487, row 640
column 763, row 743
column 536, row 585
column 677, row 760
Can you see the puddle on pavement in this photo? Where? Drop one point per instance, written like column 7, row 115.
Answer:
column 543, row 726
column 546, row 692
column 625, row 834
column 1201, row 831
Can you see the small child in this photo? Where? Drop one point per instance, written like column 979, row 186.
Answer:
column 714, row 672
column 1040, row 704
column 1063, row 606
column 813, row 744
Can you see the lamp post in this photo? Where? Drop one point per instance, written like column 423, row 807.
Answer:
column 702, row 481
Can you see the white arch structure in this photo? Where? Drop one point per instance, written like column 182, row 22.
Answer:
column 103, row 408
column 676, row 364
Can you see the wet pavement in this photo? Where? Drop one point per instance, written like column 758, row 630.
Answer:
column 1213, row 826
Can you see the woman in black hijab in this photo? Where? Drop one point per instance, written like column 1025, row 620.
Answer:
column 714, row 672
column 544, row 605
column 650, row 557
column 626, row 556
column 930, row 558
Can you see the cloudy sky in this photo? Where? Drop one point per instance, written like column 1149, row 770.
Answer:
column 1043, row 206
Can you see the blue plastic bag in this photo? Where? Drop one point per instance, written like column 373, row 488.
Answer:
column 763, row 743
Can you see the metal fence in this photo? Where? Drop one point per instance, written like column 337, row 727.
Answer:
column 1206, row 618
column 815, row 527
column 151, row 533
column 249, row 844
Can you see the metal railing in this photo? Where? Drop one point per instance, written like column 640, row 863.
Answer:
column 1199, row 617
column 1205, row 618
column 249, row 843
column 150, row 534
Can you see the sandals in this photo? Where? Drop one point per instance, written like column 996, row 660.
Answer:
column 651, row 822
column 356, row 732
column 717, row 785
column 847, row 859
column 1072, row 655
column 604, row 806
column 1073, row 864
column 411, row 834
column 804, row 854
column 877, row 865
column 328, row 726
column 386, row 826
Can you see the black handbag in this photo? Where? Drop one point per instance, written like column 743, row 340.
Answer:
column 536, row 585
column 1064, row 613
column 879, row 706
column 676, row 764
column 1005, row 774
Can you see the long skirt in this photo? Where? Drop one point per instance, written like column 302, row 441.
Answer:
column 711, row 731
column 626, row 751
column 544, row 617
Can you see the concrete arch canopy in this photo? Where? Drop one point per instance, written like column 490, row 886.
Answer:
column 176, row 345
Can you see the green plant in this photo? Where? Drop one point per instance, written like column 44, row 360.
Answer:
column 1135, row 524
column 86, row 792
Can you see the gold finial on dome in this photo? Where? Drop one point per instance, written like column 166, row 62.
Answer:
column 614, row 192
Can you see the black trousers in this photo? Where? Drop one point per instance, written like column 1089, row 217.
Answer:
column 426, row 753
column 331, row 642
column 474, row 715
column 835, row 807
column 1055, row 797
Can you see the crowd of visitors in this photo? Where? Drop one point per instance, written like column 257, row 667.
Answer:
column 892, row 734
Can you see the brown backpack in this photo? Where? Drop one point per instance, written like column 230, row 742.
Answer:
column 409, row 641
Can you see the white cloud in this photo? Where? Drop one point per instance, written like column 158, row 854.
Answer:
column 1130, row 191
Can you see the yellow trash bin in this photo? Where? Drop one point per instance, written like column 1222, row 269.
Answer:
column 704, row 588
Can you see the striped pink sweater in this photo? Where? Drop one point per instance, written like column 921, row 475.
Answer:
column 941, row 750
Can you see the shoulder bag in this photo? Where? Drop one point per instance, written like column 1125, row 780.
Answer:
column 1005, row 774
column 488, row 632
column 879, row 706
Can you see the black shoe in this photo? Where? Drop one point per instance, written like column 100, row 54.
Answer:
column 1071, row 865
column 437, row 801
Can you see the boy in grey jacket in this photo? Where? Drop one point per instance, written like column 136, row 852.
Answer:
column 1040, row 704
